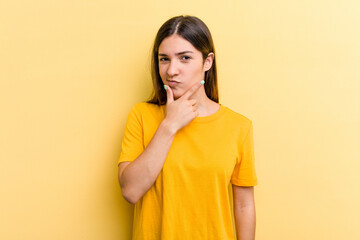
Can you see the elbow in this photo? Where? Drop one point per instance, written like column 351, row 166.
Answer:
column 131, row 198
column 129, row 192
column 125, row 193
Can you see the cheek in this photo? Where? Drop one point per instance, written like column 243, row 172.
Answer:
column 195, row 70
column 162, row 72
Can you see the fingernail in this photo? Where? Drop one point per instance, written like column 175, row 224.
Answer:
column 202, row 82
column 165, row 87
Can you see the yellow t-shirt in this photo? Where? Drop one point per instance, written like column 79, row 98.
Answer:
column 191, row 198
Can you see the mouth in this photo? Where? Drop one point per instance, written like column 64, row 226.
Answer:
column 173, row 83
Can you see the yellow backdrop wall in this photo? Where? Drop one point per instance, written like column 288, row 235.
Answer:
column 71, row 70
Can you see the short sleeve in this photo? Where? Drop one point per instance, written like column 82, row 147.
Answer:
column 244, row 173
column 132, row 144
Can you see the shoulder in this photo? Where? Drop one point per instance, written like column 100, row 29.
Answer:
column 237, row 118
column 144, row 107
column 239, row 124
column 146, row 110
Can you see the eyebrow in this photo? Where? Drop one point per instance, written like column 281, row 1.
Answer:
column 179, row 53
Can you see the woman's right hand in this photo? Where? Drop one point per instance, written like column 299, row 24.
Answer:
column 182, row 111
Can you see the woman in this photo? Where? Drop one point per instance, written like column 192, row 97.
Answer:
column 187, row 162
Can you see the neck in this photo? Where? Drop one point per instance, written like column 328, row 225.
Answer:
column 205, row 106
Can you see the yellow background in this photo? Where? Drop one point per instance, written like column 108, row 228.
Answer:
column 71, row 70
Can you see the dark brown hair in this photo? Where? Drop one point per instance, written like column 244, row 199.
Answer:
column 197, row 33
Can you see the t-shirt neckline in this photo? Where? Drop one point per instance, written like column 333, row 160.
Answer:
column 211, row 117
column 208, row 118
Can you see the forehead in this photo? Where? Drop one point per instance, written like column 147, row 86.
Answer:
column 175, row 44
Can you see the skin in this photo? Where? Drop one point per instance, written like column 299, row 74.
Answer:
column 179, row 60
column 244, row 212
column 185, row 101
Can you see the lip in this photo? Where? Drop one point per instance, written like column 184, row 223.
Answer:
column 173, row 83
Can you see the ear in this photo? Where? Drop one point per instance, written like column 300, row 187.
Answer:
column 208, row 61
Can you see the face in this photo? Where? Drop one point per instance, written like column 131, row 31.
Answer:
column 181, row 65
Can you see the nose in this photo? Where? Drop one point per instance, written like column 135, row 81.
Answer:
column 172, row 69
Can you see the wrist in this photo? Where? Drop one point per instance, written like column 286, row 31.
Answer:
column 168, row 127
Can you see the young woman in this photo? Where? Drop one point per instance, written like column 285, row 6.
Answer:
column 187, row 161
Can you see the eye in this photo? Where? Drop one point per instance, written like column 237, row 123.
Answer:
column 163, row 59
column 185, row 57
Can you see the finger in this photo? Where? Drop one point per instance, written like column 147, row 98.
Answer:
column 192, row 90
column 169, row 95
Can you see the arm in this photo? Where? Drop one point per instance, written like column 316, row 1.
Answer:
column 138, row 176
column 244, row 211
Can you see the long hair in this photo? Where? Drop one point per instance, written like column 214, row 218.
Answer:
column 197, row 33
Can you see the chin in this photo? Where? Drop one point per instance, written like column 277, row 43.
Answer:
column 176, row 95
